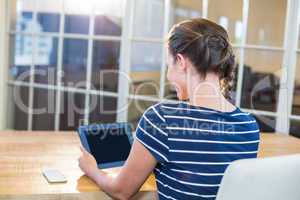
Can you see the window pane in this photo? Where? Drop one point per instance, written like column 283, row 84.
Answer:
column 299, row 32
column 113, row 7
column 23, row 10
column 299, row 40
column 77, row 24
column 106, row 26
column 295, row 128
column 108, row 19
column 296, row 100
column 103, row 109
column 45, row 60
column 71, row 110
column 43, row 117
column 266, row 22
column 18, row 107
column 136, row 109
column 78, row 6
column 261, row 79
column 266, row 124
column 47, row 15
column 230, row 18
column 146, row 61
column 74, row 61
column 149, row 18
column 183, row 10
column 105, row 67
column 49, row 6
column 48, row 22
column 20, row 57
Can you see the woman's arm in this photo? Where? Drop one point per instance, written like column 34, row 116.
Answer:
column 133, row 174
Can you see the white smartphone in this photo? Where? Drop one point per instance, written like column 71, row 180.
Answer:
column 54, row 176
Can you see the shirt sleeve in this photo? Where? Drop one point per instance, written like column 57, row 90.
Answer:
column 151, row 133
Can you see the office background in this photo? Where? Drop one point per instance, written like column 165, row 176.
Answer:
column 55, row 51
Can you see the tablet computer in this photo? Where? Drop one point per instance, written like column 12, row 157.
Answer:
column 110, row 144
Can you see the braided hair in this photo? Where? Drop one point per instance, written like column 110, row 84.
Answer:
column 206, row 44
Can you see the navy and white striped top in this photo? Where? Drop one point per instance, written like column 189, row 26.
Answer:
column 194, row 145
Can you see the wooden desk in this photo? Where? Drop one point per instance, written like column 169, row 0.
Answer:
column 23, row 155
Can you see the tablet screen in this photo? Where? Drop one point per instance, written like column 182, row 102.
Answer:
column 109, row 145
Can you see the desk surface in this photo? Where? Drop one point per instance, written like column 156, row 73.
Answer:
column 23, row 155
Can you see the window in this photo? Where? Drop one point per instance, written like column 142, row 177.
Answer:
column 43, row 117
column 21, row 60
column 146, row 62
column 105, row 65
column 260, row 68
column 148, row 18
column 78, row 24
column 295, row 119
column 261, row 79
column 49, row 22
column 296, row 99
column 266, row 123
column 230, row 18
column 72, row 110
column 136, row 108
column 71, row 54
column 183, row 10
column 74, row 62
column 103, row 109
column 266, row 22
column 67, row 57
column 295, row 128
column 18, row 110
column 45, row 60
column 146, row 57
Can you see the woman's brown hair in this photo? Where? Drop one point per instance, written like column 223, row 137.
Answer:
column 206, row 45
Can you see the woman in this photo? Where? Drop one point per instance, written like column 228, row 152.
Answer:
column 187, row 145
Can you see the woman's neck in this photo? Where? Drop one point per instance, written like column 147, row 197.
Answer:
column 207, row 93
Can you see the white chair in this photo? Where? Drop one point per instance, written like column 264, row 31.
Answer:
column 275, row 178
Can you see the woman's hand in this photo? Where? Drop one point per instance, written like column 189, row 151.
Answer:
column 87, row 163
column 119, row 187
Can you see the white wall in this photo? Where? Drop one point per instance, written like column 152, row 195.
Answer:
column 3, row 64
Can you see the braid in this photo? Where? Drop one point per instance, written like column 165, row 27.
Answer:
column 227, row 73
column 207, row 46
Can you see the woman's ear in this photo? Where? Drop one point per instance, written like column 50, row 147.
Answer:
column 181, row 62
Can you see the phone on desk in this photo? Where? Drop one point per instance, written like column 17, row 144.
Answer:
column 54, row 176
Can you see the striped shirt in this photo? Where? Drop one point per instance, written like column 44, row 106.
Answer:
column 194, row 145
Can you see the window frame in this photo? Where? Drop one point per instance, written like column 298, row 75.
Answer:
column 290, row 47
